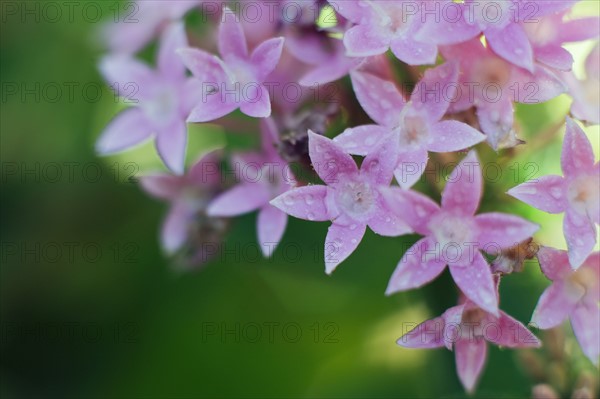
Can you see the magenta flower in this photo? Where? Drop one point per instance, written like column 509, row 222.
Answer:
column 465, row 329
column 237, row 80
column 573, row 295
column 164, row 97
column 188, row 196
column 454, row 236
column 381, row 25
column 263, row 177
column 351, row 199
column 417, row 124
column 577, row 194
column 491, row 84
column 139, row 22
column 586, row 92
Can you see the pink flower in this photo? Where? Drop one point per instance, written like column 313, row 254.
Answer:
column 573, row 295
column 577, row 194
column 188, row 196
column 164, row 97
column 263, row 177
column 586, row 92
column 418, row 123
column 454, row 236
column 237, row 80
column 139, row 22
column 465, row 329
column 381, row 25
column 351, row 199
column 492, row 84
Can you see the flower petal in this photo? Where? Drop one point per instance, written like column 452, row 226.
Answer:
column 510, row 333
column 362, row 41
column 580, row 233
column 387, row 223
column 266, row 56
column 435, row 90
column 470, row 359
column 171, row 144
column 554, row 306
column 214, row 107
column 496, row 121
column 554, row 57
column 585, row 321
column 577, row 154
column 380, row 99
column 232, row 40
column 206, row 67
column 126, row 130
column 419, row 265
column 361, row 140
column 411, row 166
column 173, row 39
column 463, row 190
column 413, row 52
column 554, row 263
column 258, row 103
column 501, row 231
column 128, row 77
column 476, row 282
column 328, row 159
column 427, row 335
column 512, row 44
column 238, row 200
column 379, row 164
column 162, row 186
column 306, row 203
column 413, row 207
column 174, row 231
column 341, row 241
column 547, row 193
column 449, row 136
column 271, row 226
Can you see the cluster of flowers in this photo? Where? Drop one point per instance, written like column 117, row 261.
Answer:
column 483, row 58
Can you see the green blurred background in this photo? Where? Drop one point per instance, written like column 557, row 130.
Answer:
column 90, row 307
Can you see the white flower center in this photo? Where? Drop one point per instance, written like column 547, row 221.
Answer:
column 584, row 193
column 414, row 131
column 163, row 107
column 451, row 229
column 357, row 199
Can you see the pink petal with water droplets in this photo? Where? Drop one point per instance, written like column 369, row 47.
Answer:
column 463, row 189
column 306, row 202
column 502, row 231
column 554, row 263
column 411, row 166
column 380, row 99
column 363, row 41
column 580, row 233
column 386, row 222
column 361, row 140
column 408, row 50
column 329, row 160
column 547, row 193
column 476, row 282
column 555, row 305
column 508, row 332
column 427, row 335
column 449, row 136
column 380, row 163
column 413, row 207
column 271, row 225
column 341, row 242
column 554, row 57
column 435, row 90
column 512, row 44
column 585, row 321
column 470, row 355
column 577, row 154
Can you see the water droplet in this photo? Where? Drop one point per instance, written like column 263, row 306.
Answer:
column 385, row 104
column 421, row 211
column 310, row 216
column 288, row 200
column 388, row 219
column 556, row 192
column 370, row 141
column 353, row 227
column 353, row 241
column 309, row 199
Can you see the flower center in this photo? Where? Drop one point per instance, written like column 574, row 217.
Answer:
column 163, row 107
column 391, row 15
column 492, row 72
column 451, row 229
column 413, row 131
column 583, row 279
column 357, row 199
column 584, row 193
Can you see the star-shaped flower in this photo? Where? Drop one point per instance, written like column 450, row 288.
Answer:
column 381, row 25
column 236, row 80
column 574, row 295
column 164, row 98
column 454, row 236
column 465, row 329
column 188, row 196
column 577, row 194
column 417, row 124
column 492, row 84
column 586, row 92
column 351, row 198
column 263, row 177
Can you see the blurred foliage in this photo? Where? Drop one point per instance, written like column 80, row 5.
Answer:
column 154, row 322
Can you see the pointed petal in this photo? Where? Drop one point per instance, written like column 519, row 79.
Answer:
column 162, row 186
column 126, row 130
column 206, row 67
column 351, row 10
column 214, row 107
column 271, row 226
column 427, row 335
column 129, row 77
column 379, row 164
column 541, row 86
column 450, row 136
column 388, row 223
column 577, row 154
column 411, row 166
column 512, row 44
column 554, row 263
column 380, row 99
column 238, row 200
column 408, row 50
column 510, row 333
column 470, row 359
column 171, row 144
column 501, row 230
column 266, row 56
column 585, row 321
column 413, row 207
column 327, row 73
column 362, row 41
column 554, row 57
column 306, row 203
column 328, row 159
column 174, row 231
column 232, row 41
column 554, row 306
column 435, row 90
column 547, row 193
column 579, row 29
column 361, row 140
column 173, row 39
column 496, row 121
column 419, row 265
column 445, row 32
column 580, row 234
column 341, row 241
column 463, row 189
column 476, row 282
